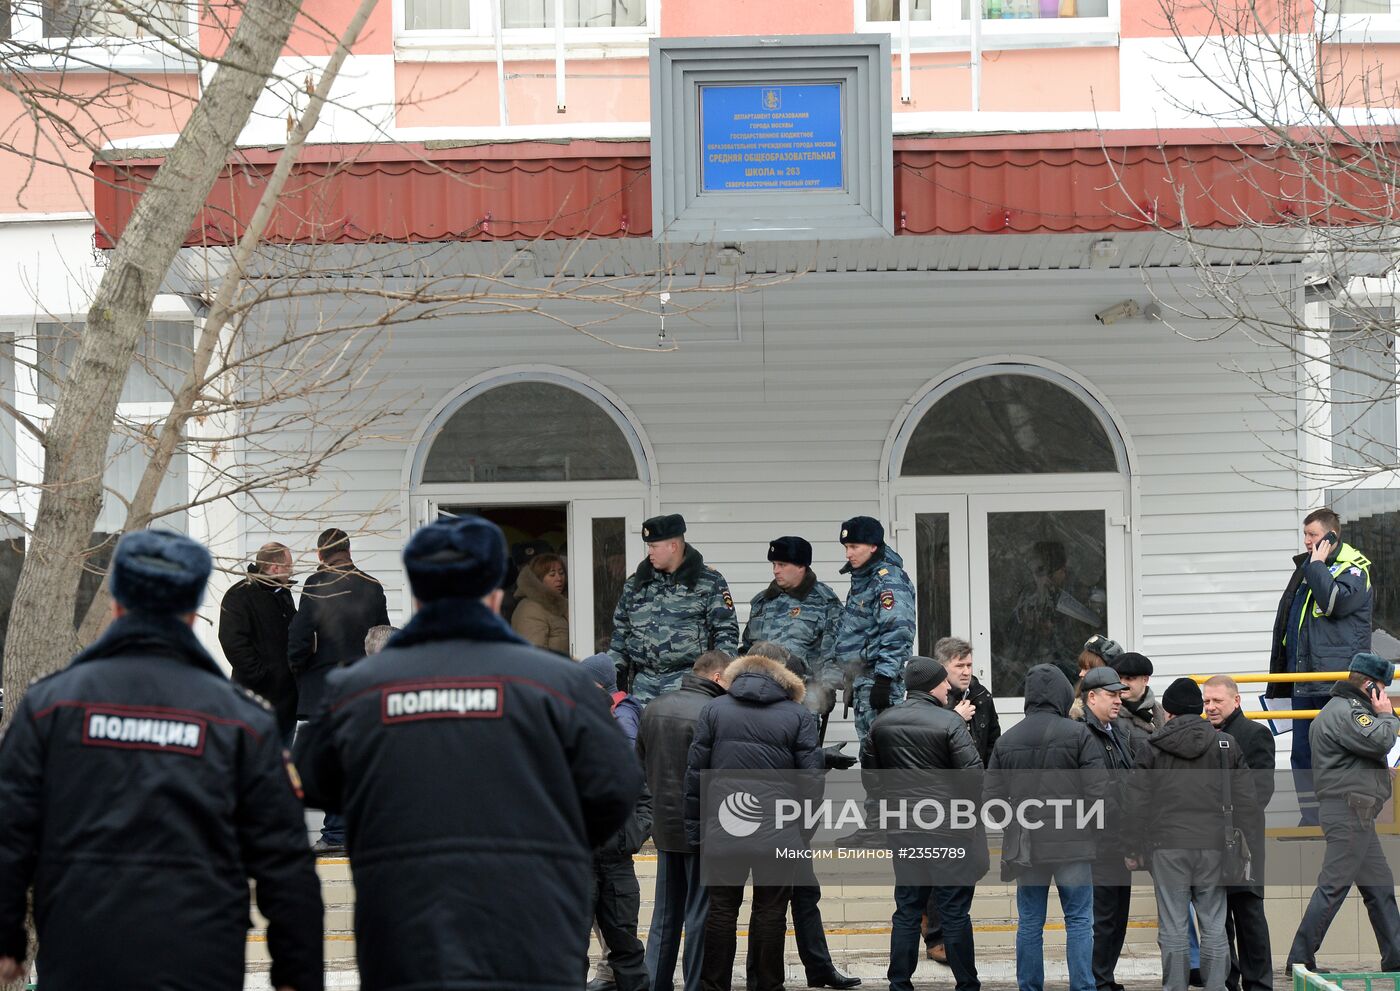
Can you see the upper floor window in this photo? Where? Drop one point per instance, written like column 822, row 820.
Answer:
column 446, row 23
column 96, row 34
column 1052, row 21
column 1362, row 395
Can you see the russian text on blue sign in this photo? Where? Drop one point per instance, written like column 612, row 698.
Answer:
column 779, row 137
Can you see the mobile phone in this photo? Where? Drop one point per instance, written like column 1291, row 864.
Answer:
column 1332, row 538
column 1375, row 690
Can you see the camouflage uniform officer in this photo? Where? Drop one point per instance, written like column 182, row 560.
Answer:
column 672, row 610
column 802, row 614
column 877, row 629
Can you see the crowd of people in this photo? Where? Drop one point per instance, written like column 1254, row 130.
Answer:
column 491, row 795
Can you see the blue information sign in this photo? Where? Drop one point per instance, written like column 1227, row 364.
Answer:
column 768, row 138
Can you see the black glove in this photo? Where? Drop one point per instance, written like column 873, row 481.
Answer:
column 880, row 693
column 836, row 760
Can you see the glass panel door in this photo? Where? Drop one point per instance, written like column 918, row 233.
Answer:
column 936, row 559
column 605, row 541
column 1048, row 572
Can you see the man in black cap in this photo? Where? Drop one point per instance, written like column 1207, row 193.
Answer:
column 477, row 774
column 140, row 792
column 1177, row 826
column 1101, row 694
column 1246, row 925
column 1139, row 704
column 1351, row 738
column 876, row 636
column 802, row 614
column 923, row 734
column 672, row 610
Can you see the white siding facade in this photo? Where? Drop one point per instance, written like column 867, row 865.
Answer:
column 784, row 431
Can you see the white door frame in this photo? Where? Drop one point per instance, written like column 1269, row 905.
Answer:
column 969, row 510
column 583, row 502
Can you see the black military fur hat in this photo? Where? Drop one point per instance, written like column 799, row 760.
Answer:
column 663, row 528
column 863, row 530
column 791, row 550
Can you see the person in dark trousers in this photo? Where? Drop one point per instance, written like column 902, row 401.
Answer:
column 1101, row 693
column 339, row 606
column 922, row 734
column 1176, row 823
column 808, row 929
column 680, row 900
column 140, row 793
column 1246, row 925
column 1351, row 738
column 971, row 700
column 759, row 725
column 477, row 774
column 1323, row 620
column 1062, row 755
column 253, row 622
column 617, row 897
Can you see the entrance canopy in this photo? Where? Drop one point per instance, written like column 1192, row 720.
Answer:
column 1028, row 183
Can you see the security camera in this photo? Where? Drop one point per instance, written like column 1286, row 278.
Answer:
column 1125, row 310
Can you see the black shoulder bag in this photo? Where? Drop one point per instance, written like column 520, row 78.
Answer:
column 1237, row 863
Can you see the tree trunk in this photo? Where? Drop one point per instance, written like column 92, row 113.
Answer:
column 41, row 635
column 172, row 430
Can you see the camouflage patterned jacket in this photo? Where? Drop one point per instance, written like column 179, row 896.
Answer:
column 663, row 622
column 804, row 620
column 877, row 628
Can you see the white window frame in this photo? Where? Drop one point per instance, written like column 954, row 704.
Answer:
column 478, row 43
column 98, row 54
column 1363, row 293
column 1355, row 29
column 947, row 31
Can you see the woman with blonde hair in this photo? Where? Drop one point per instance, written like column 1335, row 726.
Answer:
column 542, row 615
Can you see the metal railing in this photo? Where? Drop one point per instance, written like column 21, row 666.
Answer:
column 1280, row 679
column 1306, row 980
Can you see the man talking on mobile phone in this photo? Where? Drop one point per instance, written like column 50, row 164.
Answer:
column 1323, row 621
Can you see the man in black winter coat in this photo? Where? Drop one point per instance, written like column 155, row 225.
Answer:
column 1246, row 926
column 1122, row 742
column 140, row 792
column 476, row 774
column 663, row 744
column 760, row 725
column 340, row 604
column 1176, row 801
column 1048, row 756
column 254, row 619
column 971, row 700
column 921, row 734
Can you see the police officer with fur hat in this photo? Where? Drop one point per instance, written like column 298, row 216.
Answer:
column 673, row 609
column 803, row 615
column 476, row 774
column 876, row 636
column 1351, row 738
column 140, row 792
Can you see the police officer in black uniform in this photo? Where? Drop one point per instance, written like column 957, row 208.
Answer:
column 476, row 774
column 140, row 792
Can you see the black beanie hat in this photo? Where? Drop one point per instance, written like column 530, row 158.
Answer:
column 1132, row 665
column 1183, row 698
column 924, row 674
column 159, row 571
column 863, row 530
column 791, row 550
column 463, row 557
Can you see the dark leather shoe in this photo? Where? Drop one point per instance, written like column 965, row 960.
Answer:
column 598, row 985
column 833, row 979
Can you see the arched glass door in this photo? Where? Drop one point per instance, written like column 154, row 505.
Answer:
column 559, row 468
column 1010, row 504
